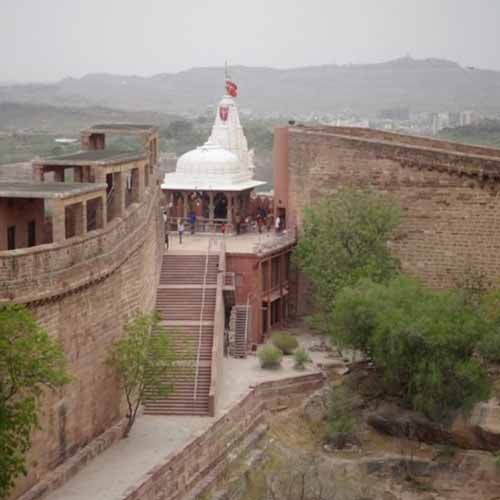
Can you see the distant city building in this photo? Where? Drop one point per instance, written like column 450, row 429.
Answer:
column 400, row 114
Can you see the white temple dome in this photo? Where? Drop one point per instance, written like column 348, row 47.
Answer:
column 209, row 159
column 224, row 163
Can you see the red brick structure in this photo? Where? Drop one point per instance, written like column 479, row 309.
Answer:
column 263, row 281
column 449, row 193
column 100, row 266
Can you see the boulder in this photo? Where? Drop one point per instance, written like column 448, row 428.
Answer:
column 315, row 408
column 480, row 431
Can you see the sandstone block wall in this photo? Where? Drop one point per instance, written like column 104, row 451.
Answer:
column 450, row 196
column 83, row 292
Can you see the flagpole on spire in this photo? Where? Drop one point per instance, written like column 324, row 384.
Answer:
column 230, row 87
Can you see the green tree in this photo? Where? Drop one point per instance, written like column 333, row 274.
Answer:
column 29, row 362
column 345, row 239
column 144, row 361
column 423, row 341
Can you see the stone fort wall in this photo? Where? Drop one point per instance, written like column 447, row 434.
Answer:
column 83, row 291
column 449, row 193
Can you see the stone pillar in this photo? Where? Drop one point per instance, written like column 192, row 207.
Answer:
column 58, row 221
column 141, row 178
column 211, row 207
column 98, row 173
column 118, row 196
column 59, row 174
column 184, row 204
column 137, row 181
column 80, row 218
column 230, row 207
column 102, row 211
column 78, row 174
column 38, row 173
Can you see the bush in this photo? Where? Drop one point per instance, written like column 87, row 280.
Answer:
column 285, row 342
column 342, row 424
column 269, row 356
column 301, row 357
column 422, row 340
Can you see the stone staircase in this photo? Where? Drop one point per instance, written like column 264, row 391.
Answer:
column 239, row 326
column 180, row 295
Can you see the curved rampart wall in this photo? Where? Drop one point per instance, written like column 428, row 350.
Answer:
column 83, row 291
column 450, row 198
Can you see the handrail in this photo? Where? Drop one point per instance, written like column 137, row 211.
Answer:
column 246, row 321
column 218, row 343
column 200, row 331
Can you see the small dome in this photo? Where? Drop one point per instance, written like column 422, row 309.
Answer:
column 209, row 159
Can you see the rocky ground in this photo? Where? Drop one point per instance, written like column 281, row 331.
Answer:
column 294, row 461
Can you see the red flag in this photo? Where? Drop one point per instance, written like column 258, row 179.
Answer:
column 231, row 88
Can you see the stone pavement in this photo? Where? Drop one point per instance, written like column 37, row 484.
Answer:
column 153, row 438
column 242, row 243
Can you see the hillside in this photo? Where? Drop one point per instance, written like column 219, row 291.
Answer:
column 422, row 85
column 69, row 120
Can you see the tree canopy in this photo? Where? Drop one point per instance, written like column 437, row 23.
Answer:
column 423, row 342
column 345, row 239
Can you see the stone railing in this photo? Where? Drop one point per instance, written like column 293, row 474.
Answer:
column 41, row 272
column 218, row 343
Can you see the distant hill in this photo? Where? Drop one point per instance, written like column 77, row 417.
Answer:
column 67, row 120
column 421, row 85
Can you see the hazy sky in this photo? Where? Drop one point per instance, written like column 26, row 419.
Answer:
column 50, row 39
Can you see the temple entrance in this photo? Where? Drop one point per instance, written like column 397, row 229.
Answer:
column 220, row 206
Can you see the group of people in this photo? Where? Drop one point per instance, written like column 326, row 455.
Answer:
column 263, row 219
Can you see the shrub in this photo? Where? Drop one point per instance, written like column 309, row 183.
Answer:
column 342, row 423
column 285, row 342
column 269, row 356
column 301, row 357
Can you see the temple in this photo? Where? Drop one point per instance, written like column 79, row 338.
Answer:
column 213, row 184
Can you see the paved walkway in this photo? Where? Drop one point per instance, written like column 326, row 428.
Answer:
column 242, row 243
column 153, row 438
